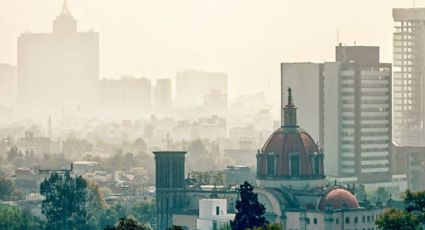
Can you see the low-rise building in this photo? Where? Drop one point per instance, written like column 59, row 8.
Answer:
column 213, row 214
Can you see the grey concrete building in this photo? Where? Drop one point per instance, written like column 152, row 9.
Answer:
column 347, row 104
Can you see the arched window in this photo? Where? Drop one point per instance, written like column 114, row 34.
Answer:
column 271, row 164
column 316, row 165
column 294, row 164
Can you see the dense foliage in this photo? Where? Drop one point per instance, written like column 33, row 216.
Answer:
column 8, row 190
column 65, row 201
column 372, row 196
column 142, row 212
column 12, row 218
column 128, row 223
column 249, row 212
column 409, row 219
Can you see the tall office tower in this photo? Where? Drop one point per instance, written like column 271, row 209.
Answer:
column 57, row 70
column 409, row 76
column 162, row 94
column 170, row 185
column 192, row 86
column 348, row 104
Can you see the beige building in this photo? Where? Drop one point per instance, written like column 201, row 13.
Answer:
column 57, row 70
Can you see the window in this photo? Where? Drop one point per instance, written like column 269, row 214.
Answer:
column 217, row 210
column 294, row 164
column 307, row 220
column 347, row 220
column 315, row 220
column 356, row 219
column 317, row 165
column 271, row 158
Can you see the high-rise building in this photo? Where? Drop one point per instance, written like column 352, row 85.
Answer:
column 57, row 70
column 124, row 96
column 162, row 94
column 192, row 86
column 409, row 76
column 348, row 104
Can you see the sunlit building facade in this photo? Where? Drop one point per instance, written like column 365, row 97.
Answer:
column 408, row 81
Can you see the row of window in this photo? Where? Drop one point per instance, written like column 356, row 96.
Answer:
column 355, row 220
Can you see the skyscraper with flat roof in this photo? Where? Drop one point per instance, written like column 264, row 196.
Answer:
column 162, row 94
column 409, row 73
column 347, row 104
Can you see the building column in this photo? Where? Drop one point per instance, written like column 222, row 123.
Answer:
column 303, row 219
column 329, row 218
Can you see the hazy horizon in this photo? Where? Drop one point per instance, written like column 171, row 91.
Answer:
column 245, row 39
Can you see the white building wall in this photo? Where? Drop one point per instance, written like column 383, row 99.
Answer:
column 331, row 120
column 213, row 214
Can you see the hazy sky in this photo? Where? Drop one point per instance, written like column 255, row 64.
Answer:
column 245, row 38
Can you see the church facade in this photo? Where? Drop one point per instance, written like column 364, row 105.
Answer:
column 292, row 186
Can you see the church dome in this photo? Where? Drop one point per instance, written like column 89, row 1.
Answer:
column 290, row 152
column 338, row 198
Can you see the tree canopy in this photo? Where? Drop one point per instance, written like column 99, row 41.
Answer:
column 249, row 211
column 12, row 218
column 65, row 201
column 409, row 219
column 8, row 190
column 128, row 223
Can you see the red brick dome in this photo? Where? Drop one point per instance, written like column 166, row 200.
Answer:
column 290, row 152
column 294, row 154
column 338, row 198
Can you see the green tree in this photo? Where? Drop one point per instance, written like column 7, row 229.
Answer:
column 13, row 218
column 411, row 218
column 103, row 217
column 249, row 212
column 361, row 192
column 415, row 202
column 128, row 223
column 381, row 194
column 65, row 201
column 396, row 219
column 8, row 190
column 143, row 212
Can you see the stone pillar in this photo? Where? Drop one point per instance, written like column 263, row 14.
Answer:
column 303, row 219
column 329, row 217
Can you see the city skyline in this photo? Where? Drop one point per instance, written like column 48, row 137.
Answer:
column 210, row 40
